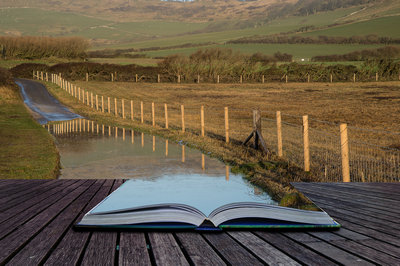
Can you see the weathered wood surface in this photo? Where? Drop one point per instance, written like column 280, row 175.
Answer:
column 36, row 219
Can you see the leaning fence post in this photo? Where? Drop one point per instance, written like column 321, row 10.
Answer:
column 202, row 120
column 153, row 118
column 183, row 117
column 344, row 143
column 166, row 115
column 226, row 125
column 306, row 144
column 279, row 133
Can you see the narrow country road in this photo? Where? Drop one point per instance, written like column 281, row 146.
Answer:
column 43, row 105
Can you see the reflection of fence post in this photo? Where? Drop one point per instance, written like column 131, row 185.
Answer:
column 141, row 112
column 153, row 114
column 202, row 120
column 344, row 142
column 115, row 107
column 131, row 110
column 123, row 108
column 226, row 125
column 108, row 105
column 279, row 133
column 183, row 117
column 306, row 144
column 166, row 115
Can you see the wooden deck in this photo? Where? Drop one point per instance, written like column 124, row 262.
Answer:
column 36, row 218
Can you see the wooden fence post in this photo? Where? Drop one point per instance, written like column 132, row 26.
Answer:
column 83, row 96
column 87, row 97
column 97, row 103
column 91, row 99
column 108, row 105
column 131, row 110
column 376, row 76
column 263, row 79
column 198, row 79
column 179, row 78
column 112, row 77
column 115, row 107
column 166, row 115
column 141, row 112
column 344, row 142
column 153, row 118
column 33, row 74
column 279, row 133
column 306, row 144
column 226, row 125
column 102, row 103
column 308, row 78
column 354, row 77
column 202, row 120
column 241, row 79
column 123, row 108
column 136, row 78
column 183, row 117
column 87, row 77
column 158, row 78
column 75, row 91
column 331, row 78
column 47, row 76
column 286, row 78
column 218, row 79
column 41, row 75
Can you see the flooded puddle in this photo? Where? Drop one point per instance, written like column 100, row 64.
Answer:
column 90, row 150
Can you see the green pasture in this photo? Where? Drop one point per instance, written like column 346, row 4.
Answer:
column 385, row 26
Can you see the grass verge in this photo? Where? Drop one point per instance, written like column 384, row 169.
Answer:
column 27, row 151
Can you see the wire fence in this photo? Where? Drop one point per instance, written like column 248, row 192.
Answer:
column 327, row 151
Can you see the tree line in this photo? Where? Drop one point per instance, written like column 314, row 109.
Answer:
column 387, row 52
column 32, row 47
column 294, row 39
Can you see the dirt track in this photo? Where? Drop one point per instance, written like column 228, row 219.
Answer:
column 44, row 106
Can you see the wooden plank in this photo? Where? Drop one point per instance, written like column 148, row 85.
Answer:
column 316, row 196
column 198, row 250
column 25, row 191
column 72, row 245
column 367, row 253
column 26, row 204
column 102, row 246
column 40, row 245
column 11, row 224
column 294, row 249
column 11, row 243
column 133, row 249
column 230, row 250
column 334, row 253
column 166, row 250
column 266, row 252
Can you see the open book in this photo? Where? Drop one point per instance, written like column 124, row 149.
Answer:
column 168, row 204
